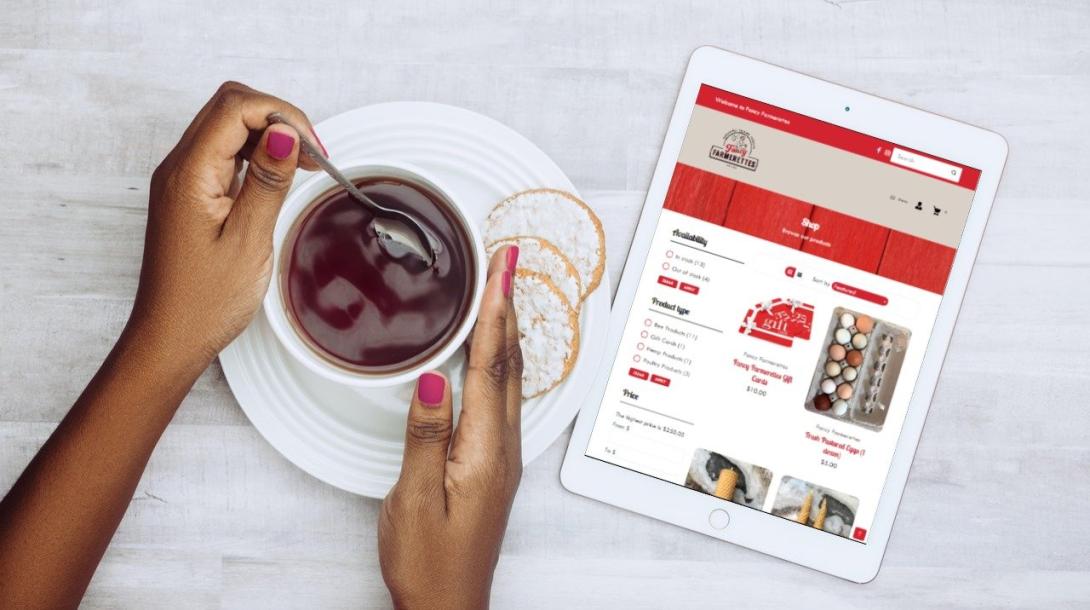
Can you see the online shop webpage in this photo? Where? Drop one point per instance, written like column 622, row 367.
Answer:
column 781, row 319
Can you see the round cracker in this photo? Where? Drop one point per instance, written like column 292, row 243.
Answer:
column 559, row 217
column 542, row 255
column 548, row 332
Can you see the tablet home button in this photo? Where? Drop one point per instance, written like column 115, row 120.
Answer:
column 719, row 519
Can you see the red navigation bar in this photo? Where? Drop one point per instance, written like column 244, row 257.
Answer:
column 789, row 222
column 833, row 135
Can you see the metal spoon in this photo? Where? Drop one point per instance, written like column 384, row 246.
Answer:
column 399, row 234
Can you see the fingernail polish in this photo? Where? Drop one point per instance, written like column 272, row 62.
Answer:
column 507, row 284
column 279, row 145
column 319, row 141
column 429, row 389
column 512, row 258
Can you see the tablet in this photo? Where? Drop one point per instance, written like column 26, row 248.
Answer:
column 784, row 313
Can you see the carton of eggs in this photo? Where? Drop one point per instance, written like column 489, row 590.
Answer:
column 857, row 371
column 835, row 379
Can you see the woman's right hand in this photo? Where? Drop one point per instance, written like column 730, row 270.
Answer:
column 208, row 247
column 442, row 524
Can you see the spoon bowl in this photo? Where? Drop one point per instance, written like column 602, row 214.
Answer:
column 399, row 234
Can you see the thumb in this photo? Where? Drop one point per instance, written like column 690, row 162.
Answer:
column 268, row 178
column 427, row 437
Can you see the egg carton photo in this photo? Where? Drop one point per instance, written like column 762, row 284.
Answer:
column 858, row 369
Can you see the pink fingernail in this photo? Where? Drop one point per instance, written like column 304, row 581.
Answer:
column 319, row 141
column 512, row 257
column 279, row 145
column 429, row 389
column 507, row 284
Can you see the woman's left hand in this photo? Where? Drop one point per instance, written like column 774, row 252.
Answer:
column 442, row 524
column 208, row 247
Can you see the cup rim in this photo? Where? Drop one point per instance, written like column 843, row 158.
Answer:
column 297, row 201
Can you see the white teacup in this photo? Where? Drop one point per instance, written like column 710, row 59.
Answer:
column 277, row 310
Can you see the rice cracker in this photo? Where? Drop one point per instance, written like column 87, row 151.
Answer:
column 541, row 255
column 548, row 332
column 559, row 217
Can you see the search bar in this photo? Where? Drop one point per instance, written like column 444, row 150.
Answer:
column 926, row 165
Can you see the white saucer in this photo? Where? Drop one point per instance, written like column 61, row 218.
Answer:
column 353, row 438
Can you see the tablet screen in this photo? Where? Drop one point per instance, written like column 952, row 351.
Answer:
column 780, row 322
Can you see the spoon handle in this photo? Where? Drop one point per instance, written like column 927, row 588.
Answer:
column 313, row 152
column 426, row 246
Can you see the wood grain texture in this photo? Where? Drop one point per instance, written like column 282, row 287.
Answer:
column 916, row 261
column 852, row 241
column 94, row 94
column 767, row 215
column 700, row 194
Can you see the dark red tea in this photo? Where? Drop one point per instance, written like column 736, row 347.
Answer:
column 361, row 308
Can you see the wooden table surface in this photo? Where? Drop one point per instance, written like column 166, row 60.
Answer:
column 995, row 513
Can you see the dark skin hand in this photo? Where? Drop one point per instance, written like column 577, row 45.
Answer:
column 441, row 525
column 206, row 267
column 207, row 256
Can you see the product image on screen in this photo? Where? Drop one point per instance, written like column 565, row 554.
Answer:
column 781, row 317
column 856, row 375
column 727, row 478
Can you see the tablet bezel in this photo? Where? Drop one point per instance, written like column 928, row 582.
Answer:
column 871, row 115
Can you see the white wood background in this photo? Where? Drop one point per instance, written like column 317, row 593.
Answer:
column 93, row 94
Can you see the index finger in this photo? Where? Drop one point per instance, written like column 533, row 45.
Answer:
column 234, row 113
column 483, row 421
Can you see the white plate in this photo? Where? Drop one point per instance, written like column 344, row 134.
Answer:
column 353, row 438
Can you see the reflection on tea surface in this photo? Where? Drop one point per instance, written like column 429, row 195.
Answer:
column 357, row 306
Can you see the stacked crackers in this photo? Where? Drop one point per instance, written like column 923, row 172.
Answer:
column 562, row 255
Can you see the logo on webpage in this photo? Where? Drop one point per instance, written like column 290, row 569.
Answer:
column 737, row 150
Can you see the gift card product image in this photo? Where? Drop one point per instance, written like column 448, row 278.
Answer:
column 779, row 321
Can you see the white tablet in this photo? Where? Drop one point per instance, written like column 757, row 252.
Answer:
column 784, row 313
